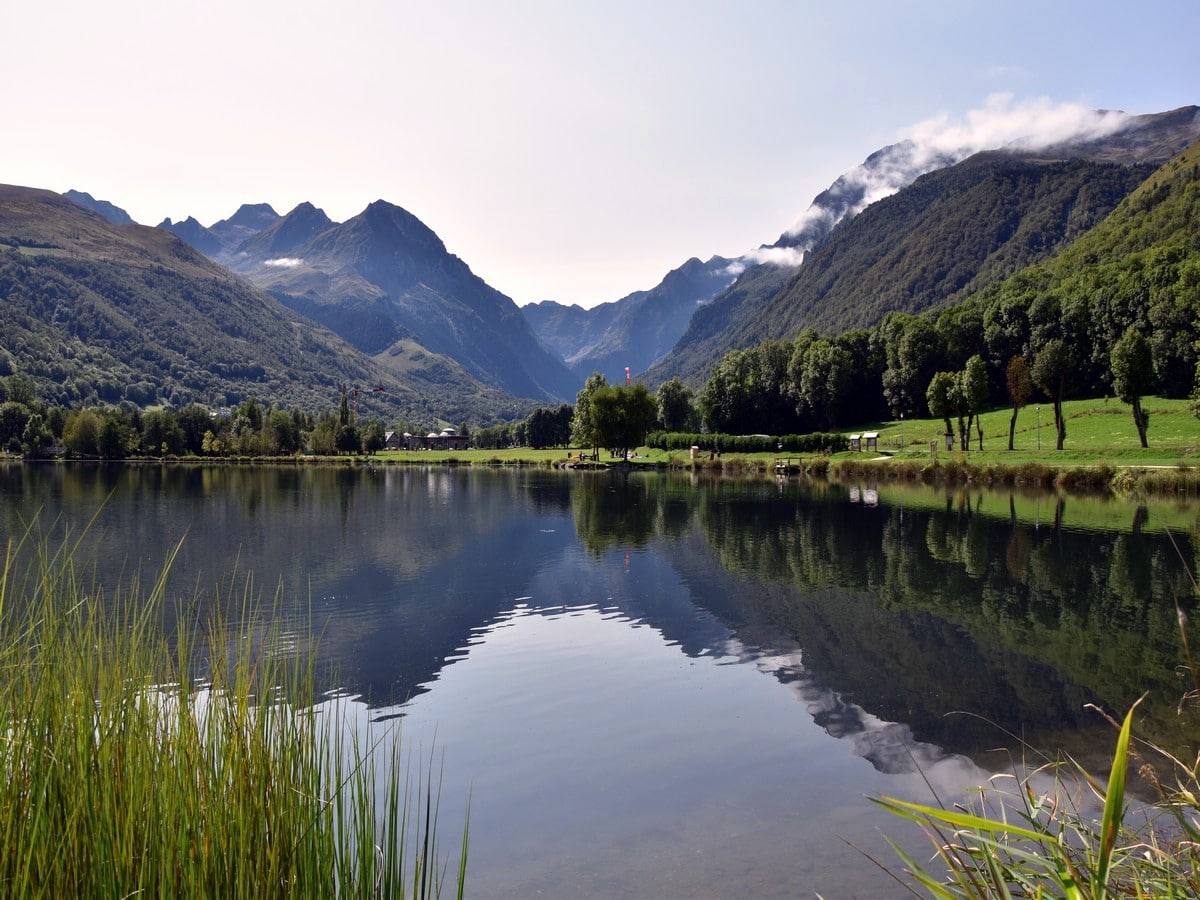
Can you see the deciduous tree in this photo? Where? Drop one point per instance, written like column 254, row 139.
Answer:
column 941, row 395
column 583, row 423
column 624, row 415
column 1020, row 389
column 973, row 388
column 1051, row 370
column 675, row 408
column 1133, row 375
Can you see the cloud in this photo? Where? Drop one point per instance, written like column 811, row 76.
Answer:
column 1029, row 124
column 943, row 141
column 284, row 262
column 784, row 257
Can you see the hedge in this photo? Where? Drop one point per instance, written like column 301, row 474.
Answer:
column 816, row 442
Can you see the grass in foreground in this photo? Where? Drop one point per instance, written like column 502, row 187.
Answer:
column 134, row 765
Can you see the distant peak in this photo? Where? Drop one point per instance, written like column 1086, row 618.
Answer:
column 253, row 215
column 308, row 211
column 111, row 212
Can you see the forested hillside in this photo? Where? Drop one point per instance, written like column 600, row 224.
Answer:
column 943, row 237
column 97, row 313
column 1134, row 277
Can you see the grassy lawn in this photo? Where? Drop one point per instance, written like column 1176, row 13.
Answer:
column 1098, row 432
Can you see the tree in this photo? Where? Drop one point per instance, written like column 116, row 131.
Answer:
column 769, row 389
column 81, row 433
column 675, row 409
column 372, row 436
column 111, row 440
column 347, row 439
column 825, row 380
column 1006, row 329
column 195, row 420
column 343, row 417
column 913, row 352
column 161, row 434
column 13, row 418
column 541, row 428
column 1133, row 375
column 280, row 428
column 1020, row 389
column 252, row 413
column 942, row 397
column 973, row 388
column 1051, row 369
column 36, row 437
column 583, row 425
column 623, row 416
column 725, row 403
column 562, row 424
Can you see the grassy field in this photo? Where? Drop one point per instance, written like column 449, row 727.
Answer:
column 1098, row 431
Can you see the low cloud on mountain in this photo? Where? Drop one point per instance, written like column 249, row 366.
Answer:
column 942, row 141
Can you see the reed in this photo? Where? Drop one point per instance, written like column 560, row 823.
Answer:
column 190, row 764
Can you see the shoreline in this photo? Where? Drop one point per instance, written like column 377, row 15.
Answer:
column 1107, row 476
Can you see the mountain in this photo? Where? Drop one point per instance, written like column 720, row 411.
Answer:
column 284, row 236
column 114, row 214
column 192, row 232
column 946, row 235
column 386, row 283
column 249, row 220
column 633, row 331
column 946, row 231
column 95, row 312
column 222, row 239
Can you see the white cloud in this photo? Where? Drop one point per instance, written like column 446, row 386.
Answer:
column 1029, row 124
column 784, row 257
column 943, row 140
column 284, row 262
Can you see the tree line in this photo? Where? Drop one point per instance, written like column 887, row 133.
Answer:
column 953, row 364
column 35, row 429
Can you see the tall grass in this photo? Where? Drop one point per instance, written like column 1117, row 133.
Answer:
column 192, row 764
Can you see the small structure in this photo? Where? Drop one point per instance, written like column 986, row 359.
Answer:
column 447, row 439
column 856, row 442
column 871, row 440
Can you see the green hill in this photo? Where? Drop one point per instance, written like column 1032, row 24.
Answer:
column 95, row 312
column 943, row 237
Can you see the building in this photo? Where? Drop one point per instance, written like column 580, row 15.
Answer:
column 446, row 439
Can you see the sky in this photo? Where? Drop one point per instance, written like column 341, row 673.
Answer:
column 565, row 151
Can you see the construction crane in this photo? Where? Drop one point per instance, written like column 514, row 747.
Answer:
column 356, row 391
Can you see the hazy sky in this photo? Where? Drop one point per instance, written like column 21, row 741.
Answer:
column 566, row 151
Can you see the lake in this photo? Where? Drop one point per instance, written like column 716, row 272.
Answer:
column 664, row 685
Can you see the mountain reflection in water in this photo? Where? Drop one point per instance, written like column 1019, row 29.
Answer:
column 588, row 651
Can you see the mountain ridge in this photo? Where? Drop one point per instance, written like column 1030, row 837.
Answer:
column 754, row 307
column 383, row 277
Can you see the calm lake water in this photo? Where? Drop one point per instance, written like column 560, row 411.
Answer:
column 653, row 685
